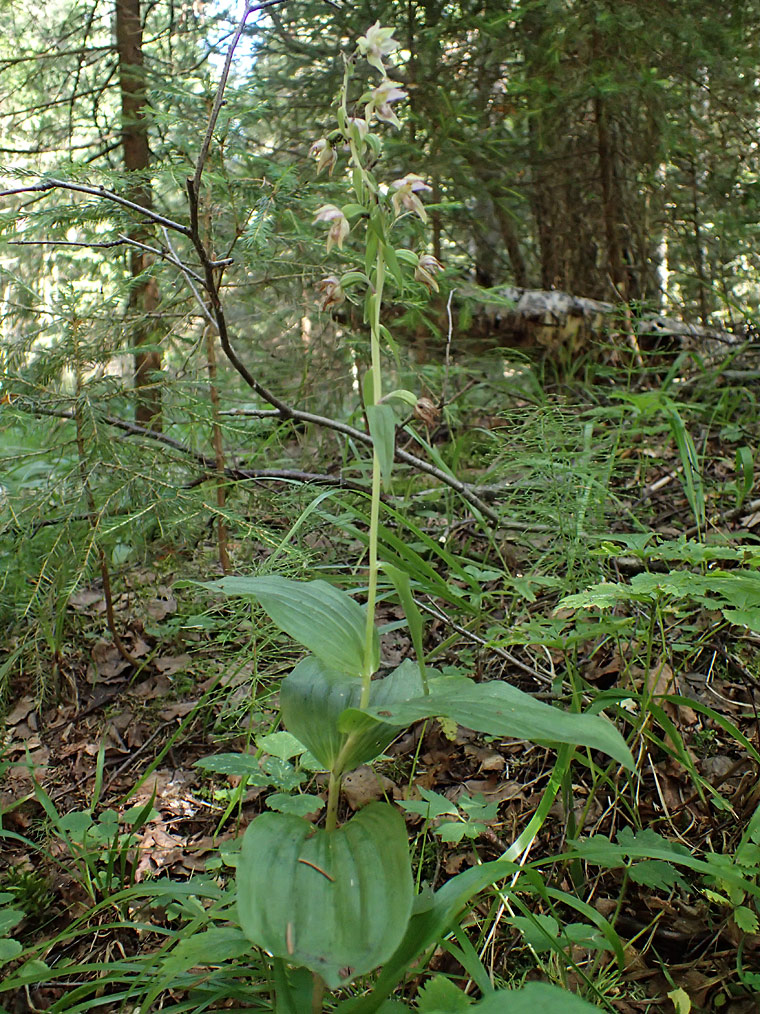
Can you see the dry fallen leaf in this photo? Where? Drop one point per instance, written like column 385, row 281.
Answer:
column 364, row 786
column 171, row 664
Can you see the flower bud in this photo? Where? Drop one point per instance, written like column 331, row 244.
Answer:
column 325, row 155
column 427, row 267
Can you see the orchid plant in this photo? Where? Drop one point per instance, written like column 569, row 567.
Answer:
column 334, row 903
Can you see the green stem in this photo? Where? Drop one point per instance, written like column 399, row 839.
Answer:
column 333, row 795
column 317, row 994
column 374, row 515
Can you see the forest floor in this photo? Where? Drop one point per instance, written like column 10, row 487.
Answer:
column 100, row 791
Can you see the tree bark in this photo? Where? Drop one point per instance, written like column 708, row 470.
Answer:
column 143, row 293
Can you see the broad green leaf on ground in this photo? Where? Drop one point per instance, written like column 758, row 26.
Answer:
column 535, row 998
column 10, row 917
column 9, row 949
column 498, row 709
column 322, row 618
column 434, row 914
column 440, row 994
column 313, row 697
column 336, row 902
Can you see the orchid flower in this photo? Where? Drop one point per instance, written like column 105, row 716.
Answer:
column 377, row 43
column 339, row 228
column 406, row 190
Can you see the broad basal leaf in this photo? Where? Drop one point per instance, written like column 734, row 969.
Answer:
column 434, row 914
column 322, row 618
column 336, row 902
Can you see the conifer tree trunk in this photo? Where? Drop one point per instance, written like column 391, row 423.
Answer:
column 144, row 296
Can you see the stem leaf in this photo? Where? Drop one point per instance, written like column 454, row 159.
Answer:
column 382, row 429
column 325, row 620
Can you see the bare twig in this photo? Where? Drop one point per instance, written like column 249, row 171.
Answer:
column 109, row 195
column 110, row 244
column 206, row 461
column 464, row 489
column 219, row 98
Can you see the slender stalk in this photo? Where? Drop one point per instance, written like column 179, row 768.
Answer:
column 317, row 994
column 333, row 795
column 374, row 515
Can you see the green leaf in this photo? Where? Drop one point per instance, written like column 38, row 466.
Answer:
column 401, row 394
column 440, row 994
column 242, row 764
column 294, row 988
column 336, row 902
column 382, row 429
column 322, row 618
column 393, row 265
column 300, row 806
column 432, row 805
column 77, row 823
column 34, row 970
column 352, row 278
column 581, row 934
column 745, row 919
column 407, row 256
column 452, row 832
column 403, row 586
column 541, row 932
column 280, row 744
column 211, row 947
column 680, row 1000
column 648, row 844
column 658, row 874
column 313, row 698
column 745, row 474
column 9, row 949
column 10, row 917
column 499, row 709
column 214, row 946
column 536, row 996
column 351, row 210
column 692, row 478
column 434, row 914
column 370, row 252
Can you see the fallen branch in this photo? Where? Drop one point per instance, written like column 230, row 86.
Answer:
column 231, row 472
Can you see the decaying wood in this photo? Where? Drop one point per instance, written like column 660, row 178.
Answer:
column 550, row 319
